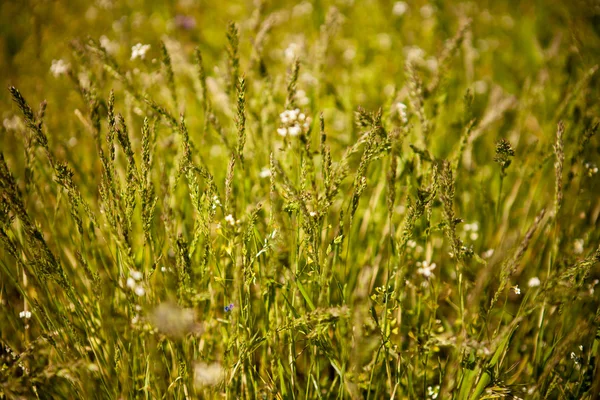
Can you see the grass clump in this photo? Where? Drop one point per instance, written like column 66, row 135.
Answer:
column 301, row 202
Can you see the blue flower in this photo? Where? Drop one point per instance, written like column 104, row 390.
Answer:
column 229, row 307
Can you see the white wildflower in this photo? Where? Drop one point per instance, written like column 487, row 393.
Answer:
column 265, row 172
column 230, row 220
column 592, row 169
column 384, row 41
column 578, row 246
column 208, row 374
column 302, row 9
column 433, row 392
column 534, row 282
column 58, row 68
column 432, row 64
column 400, row 8
column 488, row 253
column 426, row 269
column 215, row 202
column 110, row 46
column 25, row 314
column 474, row 227
column 516, row 289
column 294, row 130
column 139, row 51
column 139, row 290
column 293, row 122
column 313, row 214
column 137, row 275
column 349, row 53
column 401, row 110
column 480, row 87
column 173, row 320
column 291, row 52
column 12, row 124
column 301, row 98
column 413, row 54
column 130, row 283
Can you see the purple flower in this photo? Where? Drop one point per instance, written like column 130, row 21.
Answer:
column 229, row 307
column 185, row 22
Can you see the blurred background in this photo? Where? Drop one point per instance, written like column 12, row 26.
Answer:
column 34, row 33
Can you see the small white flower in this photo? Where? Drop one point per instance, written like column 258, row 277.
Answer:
column 578, row 246
column 301, row 98
column 488, row 253
column 293, row 123
column 130, row 283
column 163, row 269
column 413, row 54
column 473, row 235
column 302, row 9
column 282, row 131
column 58, row 68
column 137, row 275
column 480, row 87
column 534, row 282
column 12, row 124
column 516, row 289
column 110, row 46
column 25, row 314
column 400, row 8
column 411, row 243
column 208, row 374
column 384, row 41
column 474, row 227
column 230, row 220
column 349, row 53
column 294, row 130
column 401, row 110
column 580, row 347
column 291, row 52
column 313, row 214
column 265, row 172
column 426, row 269
column 433, row 392
column 139, row 51
column 139, row 290
column 432, row 64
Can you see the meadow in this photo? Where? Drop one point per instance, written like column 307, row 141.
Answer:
column 329, row 199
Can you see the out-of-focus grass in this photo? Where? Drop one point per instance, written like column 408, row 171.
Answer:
column 426, row 228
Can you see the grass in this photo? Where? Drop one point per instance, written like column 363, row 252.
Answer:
column 300, row 200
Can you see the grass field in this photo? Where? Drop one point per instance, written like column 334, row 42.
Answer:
column 337, row 199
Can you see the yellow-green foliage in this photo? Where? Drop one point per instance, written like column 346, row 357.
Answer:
column 299, row 200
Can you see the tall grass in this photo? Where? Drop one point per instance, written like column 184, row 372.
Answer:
column 305, row 203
